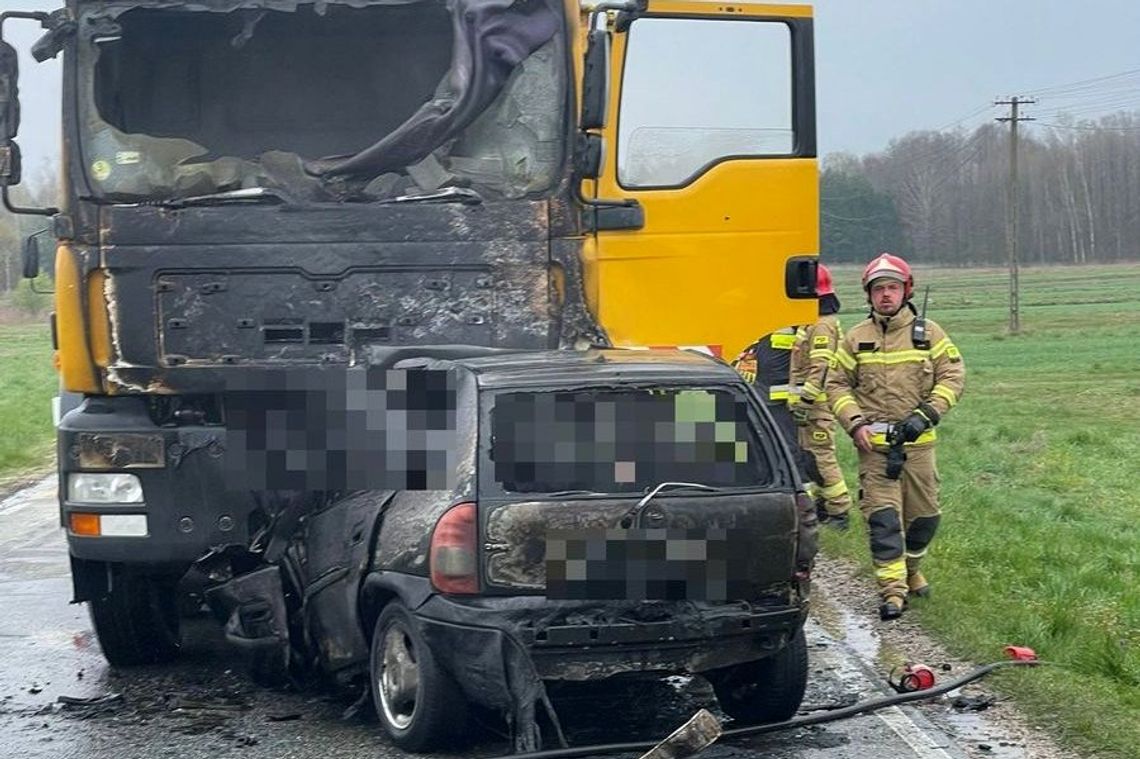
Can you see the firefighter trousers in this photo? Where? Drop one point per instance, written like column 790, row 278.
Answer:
column 817, row 437
column 902, row 515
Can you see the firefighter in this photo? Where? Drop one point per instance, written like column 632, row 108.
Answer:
column 765, row 365
column 894, row 377
column 812, row 353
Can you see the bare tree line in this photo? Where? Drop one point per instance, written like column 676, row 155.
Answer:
column 38, row 190
column 945, row 201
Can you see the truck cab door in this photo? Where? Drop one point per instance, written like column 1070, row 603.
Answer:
column 709, row 148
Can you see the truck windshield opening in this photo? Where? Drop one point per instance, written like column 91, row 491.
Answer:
column 329, row 102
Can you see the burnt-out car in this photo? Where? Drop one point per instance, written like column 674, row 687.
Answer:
column 608, row 512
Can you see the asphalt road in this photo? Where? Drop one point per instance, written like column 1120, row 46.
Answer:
column 204, row 706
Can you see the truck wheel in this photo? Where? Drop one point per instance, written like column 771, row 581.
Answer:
column 137, row 619
column 768, row 690
column 419, row 705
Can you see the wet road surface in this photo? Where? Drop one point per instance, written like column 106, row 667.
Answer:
column 205, row 706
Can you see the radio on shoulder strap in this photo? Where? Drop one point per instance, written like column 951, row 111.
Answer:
column 918, row 330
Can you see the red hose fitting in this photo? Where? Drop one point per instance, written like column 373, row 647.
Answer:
column 911, row 677
column 1020, row 653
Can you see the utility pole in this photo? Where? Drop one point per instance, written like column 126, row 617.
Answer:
column 1011, row 231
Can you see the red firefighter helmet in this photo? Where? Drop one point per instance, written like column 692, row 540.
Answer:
column 891, row 266
column 823, row 281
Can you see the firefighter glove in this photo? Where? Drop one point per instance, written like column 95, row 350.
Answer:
column 913, row 426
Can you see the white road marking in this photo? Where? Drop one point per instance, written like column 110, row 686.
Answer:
column 914, row 736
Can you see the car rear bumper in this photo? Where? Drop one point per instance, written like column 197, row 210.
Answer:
column 496, row 649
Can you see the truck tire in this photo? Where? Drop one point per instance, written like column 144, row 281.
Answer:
column 418, row 703
column 137, row 619
column 768, row 690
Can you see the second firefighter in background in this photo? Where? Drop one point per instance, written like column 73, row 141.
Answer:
column 812, row 353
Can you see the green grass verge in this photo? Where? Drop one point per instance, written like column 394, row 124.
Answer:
column 1040, row 538
column 27, row 384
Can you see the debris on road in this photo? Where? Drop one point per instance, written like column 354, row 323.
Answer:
column 103, row 700
column 973, row 703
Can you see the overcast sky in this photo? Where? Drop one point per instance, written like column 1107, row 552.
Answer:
column 884, row 67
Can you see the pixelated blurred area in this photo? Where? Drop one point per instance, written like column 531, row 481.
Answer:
column 341, row 428
column 623, row 441
column 666, row 564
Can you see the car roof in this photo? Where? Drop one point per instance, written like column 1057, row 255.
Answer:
column 604, row 366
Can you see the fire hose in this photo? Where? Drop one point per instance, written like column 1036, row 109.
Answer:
column 842, row 713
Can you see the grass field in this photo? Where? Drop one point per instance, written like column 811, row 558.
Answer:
column 1040, row 465
column 27, row 384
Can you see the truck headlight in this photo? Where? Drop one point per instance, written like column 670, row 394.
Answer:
column 91, row 487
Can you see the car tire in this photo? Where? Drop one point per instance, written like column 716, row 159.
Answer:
column 137, row 619
column 768, row 690
column 418, row 703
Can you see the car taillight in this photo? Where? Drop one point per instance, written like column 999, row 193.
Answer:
column 453, row 551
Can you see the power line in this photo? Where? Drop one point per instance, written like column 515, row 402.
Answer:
column 1083, row 83
column 1089, row 128
column 1118, row 107
column 972, row 114
column 939, row 151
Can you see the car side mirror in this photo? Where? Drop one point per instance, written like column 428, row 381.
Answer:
column 37, row 246
column 31, row 258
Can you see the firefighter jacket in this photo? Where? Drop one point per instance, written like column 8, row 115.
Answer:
column 814, row 350
column 881, row 374
column 765, row 364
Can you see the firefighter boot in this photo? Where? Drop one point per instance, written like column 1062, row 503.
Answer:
column 892, row 608
column 919, row 586
column 839, row 522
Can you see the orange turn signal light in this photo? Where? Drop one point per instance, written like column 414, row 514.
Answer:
column 85, row 524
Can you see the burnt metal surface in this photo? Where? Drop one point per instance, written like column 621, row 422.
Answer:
column 515, row 533
column 256, row 617
column 581, row 368
column 577, row 327
column 215, row 288
column 491, row 646
column 334, row 556
column 491, row 38
column 405, row 533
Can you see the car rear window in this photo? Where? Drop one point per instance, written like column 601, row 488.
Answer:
column 623, row 440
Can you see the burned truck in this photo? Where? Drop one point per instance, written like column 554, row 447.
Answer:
column 271, row 196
